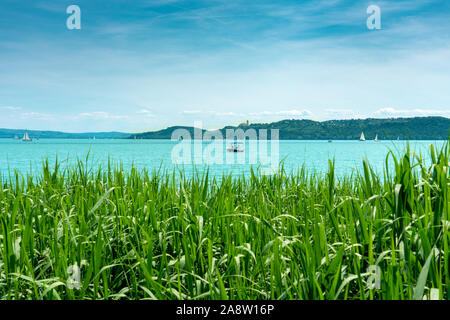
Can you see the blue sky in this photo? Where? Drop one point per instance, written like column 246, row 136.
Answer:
column 143, row 65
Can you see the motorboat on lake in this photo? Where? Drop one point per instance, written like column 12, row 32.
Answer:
column 235, row 147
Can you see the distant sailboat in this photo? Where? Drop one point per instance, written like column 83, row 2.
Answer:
column 26, row 137
column 362, row 138
column 376, row 138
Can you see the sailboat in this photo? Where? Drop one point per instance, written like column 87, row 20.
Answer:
column 376, row 138
column 362, row 138
column 26, row 137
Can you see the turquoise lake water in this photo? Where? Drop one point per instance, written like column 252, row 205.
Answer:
column 152, row 154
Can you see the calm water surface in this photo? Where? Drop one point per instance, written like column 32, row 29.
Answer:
column 153, row 154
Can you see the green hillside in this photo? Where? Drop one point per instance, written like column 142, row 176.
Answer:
column 163, row 134
column 425, row 128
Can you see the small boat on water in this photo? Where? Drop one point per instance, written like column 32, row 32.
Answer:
column 362, row 138
column 234, row 147
column 376, row 138
column 26, row 138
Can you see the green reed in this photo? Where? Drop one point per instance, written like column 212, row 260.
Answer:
column 162, row 235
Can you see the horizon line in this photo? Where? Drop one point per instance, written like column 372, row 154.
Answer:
column 239, row 125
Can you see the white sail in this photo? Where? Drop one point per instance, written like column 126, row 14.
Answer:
column 362, row 137
column 376, row 138
column 26, row 137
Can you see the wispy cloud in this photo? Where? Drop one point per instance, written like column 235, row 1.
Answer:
column 211, row 113
column 411, row 112
column 340, row 113
column 225, row 114
column 147, row 113
column 294, row 113
column 192, row 112
column 100, row 115
column 11, row 108
column 37, row 116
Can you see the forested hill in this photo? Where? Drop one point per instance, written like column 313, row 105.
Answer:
column 163, row 134
column 424, row 128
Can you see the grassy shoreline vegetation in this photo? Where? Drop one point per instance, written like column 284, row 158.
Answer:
column 113, row 234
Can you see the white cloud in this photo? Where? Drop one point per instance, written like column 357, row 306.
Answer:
column 300, row 113
column 284, row 113
column 346, row 111
column 225, row 114
column 189, row 112
column 36, row 116
column 411, row 112
column 146, row 112
column 341, row 113
column 296, row 113
column 211, row 113
column 100, row 115
column 11, row 108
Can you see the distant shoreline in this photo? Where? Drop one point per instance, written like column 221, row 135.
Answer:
column 418, row 128
column 161, row 139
